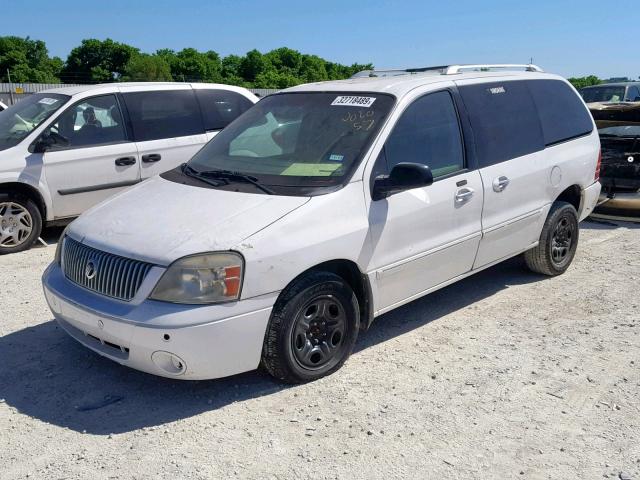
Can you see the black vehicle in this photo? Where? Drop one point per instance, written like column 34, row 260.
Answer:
column 612, row 92
column 619, row 128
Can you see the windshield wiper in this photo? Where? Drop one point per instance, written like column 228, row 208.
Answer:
column 187, row 170
column 227, row 176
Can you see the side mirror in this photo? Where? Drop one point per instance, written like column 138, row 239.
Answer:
column 49, row 140
column 404, row 176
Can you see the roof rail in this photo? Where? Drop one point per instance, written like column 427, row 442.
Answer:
column 528, row 67
column 399, row 71
column 447, row 69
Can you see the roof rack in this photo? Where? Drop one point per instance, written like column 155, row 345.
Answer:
column 449, row 69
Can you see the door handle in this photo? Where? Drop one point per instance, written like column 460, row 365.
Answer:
column 464, row 195
column 151, row 158
column 500, row 183
column 124, row 161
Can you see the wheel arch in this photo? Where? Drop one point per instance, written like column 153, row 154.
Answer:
column 349, row 271
column 28, row 191
column 572, row 195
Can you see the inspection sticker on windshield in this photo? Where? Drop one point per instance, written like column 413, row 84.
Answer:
column 351, row 101
column 48, row 101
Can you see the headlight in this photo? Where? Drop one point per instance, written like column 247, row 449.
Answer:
column 201, row 279
column 58, row 256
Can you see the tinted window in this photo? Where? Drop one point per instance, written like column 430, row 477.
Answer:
column 167, row 114
column 633, row 95
column 94, row 121
column 562, row 114
column 427, row 132
column 220, row 108
column 504, row 120
column 602, row 94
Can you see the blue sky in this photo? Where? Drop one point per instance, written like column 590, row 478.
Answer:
column 572, row 38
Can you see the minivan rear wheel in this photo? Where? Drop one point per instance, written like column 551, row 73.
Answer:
column 312, row 329
column 558, row 241
column 20, row 223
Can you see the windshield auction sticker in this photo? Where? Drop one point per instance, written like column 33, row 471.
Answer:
column 47, row 101
column 350, row 101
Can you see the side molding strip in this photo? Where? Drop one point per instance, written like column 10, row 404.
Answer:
column 95, row 188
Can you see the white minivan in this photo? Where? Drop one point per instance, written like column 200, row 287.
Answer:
column 67, row 149
column 321, row 208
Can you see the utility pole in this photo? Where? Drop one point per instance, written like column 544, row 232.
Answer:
column 10, row 87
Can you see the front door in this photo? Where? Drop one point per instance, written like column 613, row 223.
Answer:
column 167, row 126
column 425, row 236
column 93, row 157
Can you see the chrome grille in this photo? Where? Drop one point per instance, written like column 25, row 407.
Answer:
column 102, row 272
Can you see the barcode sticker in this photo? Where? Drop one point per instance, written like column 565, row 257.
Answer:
column 352, row 101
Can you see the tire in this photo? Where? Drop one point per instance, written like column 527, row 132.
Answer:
column 558, row 241
column 20, row 223
column 312, row 329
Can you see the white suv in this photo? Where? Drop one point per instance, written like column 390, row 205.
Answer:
column 321, row 208
column 64, row 150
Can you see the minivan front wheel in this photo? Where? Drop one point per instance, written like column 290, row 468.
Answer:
column 20, row 223
column 558, row 241
column 312, row 330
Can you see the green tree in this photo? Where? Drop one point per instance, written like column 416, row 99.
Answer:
column 252, row 65
column 313, row 69
column 581, row 82
column 147, row 68
column 285, row 60
column 97, row 61
column 231, row 70
column 190, row 65
column 28, row 61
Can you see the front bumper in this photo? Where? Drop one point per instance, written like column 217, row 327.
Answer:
column 176, row 341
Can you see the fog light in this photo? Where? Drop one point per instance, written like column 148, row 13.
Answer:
column 168, row 362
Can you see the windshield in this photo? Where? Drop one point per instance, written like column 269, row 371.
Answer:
column 22, row 118
column 627, row 131
column 295, row 140
column 602, row 94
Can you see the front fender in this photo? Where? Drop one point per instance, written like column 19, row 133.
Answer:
column 37, row 184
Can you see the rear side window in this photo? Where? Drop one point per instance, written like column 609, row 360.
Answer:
column 428, row 132
column 504, row 120
column 163, row 114
column 220, row 107
column 562, row 113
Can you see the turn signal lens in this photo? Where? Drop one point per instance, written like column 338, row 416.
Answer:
column 597, row 175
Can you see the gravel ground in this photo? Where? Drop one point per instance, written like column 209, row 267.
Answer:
column 503, row 375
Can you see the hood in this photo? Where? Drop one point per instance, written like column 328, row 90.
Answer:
column 613, row 105
column 615, row 114
column 159, row 221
